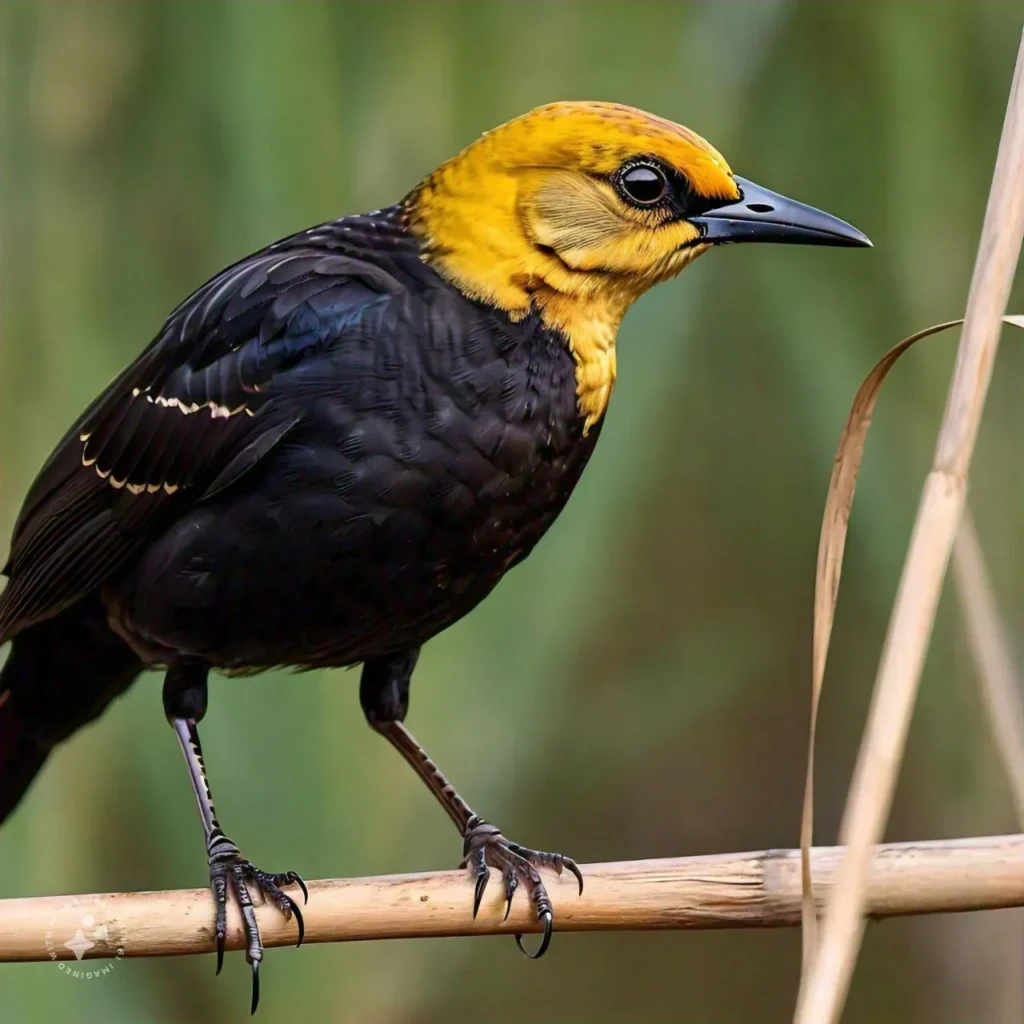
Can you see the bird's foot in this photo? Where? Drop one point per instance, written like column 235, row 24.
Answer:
column 485, row 847
column 230, row 870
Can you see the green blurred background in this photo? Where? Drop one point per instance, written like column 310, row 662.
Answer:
column 639, row 688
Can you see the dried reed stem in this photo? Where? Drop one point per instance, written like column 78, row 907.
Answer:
column 744, row 890
column 825, row 983
column 993, row 659
column 998, row 684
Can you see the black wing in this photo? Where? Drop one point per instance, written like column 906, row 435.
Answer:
column 197, row 409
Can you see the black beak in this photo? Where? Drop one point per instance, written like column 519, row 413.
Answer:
column 764, row 216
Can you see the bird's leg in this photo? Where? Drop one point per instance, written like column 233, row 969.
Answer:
column 184, row 698
column 384, row 695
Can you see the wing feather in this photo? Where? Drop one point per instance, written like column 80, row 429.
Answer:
column 203, row 403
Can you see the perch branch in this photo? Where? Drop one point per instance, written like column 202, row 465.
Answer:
column 743, row 890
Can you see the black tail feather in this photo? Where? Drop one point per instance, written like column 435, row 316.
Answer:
column 21, row 757
column 59, row 675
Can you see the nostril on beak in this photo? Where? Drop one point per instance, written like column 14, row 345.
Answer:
column 760, row 208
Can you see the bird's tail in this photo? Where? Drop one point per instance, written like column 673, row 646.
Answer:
column 21, row 756
column 59, row 675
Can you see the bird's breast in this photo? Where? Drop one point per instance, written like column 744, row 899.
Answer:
column 452, row 457
column 475, row 443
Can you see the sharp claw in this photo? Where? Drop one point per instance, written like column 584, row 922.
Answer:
column 571, row 865
column 544, row 942
column 549, row 924
column 293, row 878
column 220, row 953
column 482, row 879
column 255, row 987
column 299, row 922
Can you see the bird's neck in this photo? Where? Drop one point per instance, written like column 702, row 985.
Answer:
column 481, row 249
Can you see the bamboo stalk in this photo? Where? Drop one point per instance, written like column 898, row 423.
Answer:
column 825, row 983
column 742, row 890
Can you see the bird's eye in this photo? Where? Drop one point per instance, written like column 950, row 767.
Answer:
column 644, row 185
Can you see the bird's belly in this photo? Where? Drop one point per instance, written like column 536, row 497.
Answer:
column 334, row 571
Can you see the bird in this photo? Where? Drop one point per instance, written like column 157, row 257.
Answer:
column 337, row 447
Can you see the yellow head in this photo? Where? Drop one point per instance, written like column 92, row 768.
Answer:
column 575, row 209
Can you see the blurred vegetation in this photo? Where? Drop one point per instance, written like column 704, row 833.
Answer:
column 639, row 687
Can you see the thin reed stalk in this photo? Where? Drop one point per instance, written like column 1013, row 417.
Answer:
column 828, row 969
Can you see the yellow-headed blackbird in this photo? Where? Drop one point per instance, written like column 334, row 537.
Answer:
column 337, row 447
